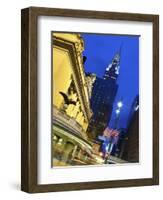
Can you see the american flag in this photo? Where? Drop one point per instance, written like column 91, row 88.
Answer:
column 110, row 132
column 107, row 132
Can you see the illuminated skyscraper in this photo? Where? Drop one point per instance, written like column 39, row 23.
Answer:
column 112, row 70
column 103, row 95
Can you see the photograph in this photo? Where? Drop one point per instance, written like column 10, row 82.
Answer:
column 95, row 99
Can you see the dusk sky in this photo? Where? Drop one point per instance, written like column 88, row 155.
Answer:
column 99, row 50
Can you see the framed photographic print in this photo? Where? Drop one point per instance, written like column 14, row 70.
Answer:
column 90, row 99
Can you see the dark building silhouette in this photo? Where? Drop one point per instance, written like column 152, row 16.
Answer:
column 131, row 148
column 103, row 95
column 120, row 147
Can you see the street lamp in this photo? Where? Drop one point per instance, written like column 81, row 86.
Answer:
column 117, row 111
column 120, row 104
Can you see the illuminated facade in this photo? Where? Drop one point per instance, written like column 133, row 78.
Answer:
column 71, row 101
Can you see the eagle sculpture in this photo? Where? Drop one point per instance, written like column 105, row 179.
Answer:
column 66, row 99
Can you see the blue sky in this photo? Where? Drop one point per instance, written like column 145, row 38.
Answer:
column 100, row 49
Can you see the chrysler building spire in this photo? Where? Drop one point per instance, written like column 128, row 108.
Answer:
column 112, row 71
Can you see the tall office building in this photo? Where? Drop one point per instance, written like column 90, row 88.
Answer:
column 103, row 95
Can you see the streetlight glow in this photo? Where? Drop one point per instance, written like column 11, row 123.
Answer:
column 119, row 104
column 117, row 111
